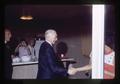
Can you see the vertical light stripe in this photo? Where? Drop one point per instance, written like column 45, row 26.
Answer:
column 97, row 41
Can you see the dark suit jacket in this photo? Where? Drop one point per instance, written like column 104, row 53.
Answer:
column 7, row 63
column 50, row 66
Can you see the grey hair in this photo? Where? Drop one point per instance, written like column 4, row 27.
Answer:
column 49, row 32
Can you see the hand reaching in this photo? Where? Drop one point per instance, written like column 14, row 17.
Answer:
column 72, row 71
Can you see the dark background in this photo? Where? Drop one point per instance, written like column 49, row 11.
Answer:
column 73, row 24
column 65, row 19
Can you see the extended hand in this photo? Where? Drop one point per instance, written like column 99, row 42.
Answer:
column 72, row 71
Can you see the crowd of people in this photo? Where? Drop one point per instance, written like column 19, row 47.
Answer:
column 19, row 51
column 50, row 66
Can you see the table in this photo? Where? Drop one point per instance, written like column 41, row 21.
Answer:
column 67, row 62
column 28, row 70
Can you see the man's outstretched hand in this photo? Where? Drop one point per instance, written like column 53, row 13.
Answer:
column 72, row 71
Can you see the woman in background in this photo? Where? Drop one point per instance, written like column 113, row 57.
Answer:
column 23, row 49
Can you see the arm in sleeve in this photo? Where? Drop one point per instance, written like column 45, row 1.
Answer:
column 53, row 65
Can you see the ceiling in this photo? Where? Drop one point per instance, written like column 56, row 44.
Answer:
column 61, row 17
column 48, row 11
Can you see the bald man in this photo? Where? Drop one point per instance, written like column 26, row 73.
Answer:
column 50, row 66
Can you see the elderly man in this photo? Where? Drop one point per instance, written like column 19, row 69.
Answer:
column 50, row 66
column 7, row 58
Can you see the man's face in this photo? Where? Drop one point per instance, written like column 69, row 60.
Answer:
column 8, row 35
column 107, row 49
column 54, row 39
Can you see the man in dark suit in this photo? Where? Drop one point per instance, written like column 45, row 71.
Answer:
column 7, row 58
column 50, row 66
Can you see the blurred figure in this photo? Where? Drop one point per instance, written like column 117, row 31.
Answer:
column 61, row 49
column 31, row 45
column 38, row 43
column 109, row 64
column 49, row 66
column 8, row 69
column 23, row 51
column 13, row 44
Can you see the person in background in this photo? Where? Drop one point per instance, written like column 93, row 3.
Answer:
column 8, row 69
column 13, row 44
column 61, row 49
column 23, row 49
column 49, row 65
column 31, row 45
column 109, row 64
column 38, row 43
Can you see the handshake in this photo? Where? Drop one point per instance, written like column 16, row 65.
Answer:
column 72, row 70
